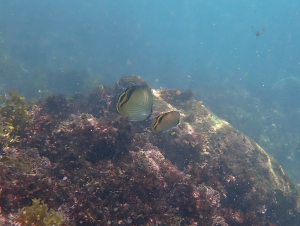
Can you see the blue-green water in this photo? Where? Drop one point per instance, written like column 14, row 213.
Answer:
column 210, row 47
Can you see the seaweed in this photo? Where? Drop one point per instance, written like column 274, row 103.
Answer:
column 14, row 117
column 38, row 214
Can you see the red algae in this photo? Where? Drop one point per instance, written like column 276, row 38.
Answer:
column 95, row 167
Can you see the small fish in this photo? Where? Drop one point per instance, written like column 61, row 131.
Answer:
column 136, row 103
column 166, row 121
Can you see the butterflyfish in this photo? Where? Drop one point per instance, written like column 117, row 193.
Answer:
column 166, row 121
column 136, row 103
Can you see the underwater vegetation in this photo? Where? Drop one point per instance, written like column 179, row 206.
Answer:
column 38, row 214
column 14, row 117
column 94, row 166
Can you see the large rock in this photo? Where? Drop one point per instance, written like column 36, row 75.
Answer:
column 98, row 168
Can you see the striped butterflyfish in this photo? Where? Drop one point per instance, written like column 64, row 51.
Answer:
column 136, row 103
column 166, row 121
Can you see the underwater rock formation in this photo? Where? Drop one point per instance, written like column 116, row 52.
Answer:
column 95, row 167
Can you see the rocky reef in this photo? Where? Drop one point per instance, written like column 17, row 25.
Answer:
column 92, row 166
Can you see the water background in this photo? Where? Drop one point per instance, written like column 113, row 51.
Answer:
column 210, row 47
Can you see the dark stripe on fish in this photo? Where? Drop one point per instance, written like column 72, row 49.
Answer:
column 158, row 120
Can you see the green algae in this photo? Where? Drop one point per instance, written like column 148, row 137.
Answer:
column 215, row 119
column 38, row 214
column 14, row 117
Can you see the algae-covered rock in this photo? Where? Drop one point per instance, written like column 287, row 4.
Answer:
column 99, row 168
column 253, row 180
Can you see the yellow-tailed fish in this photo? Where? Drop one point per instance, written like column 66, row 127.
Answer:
column 136, row 103
column 166, row 121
